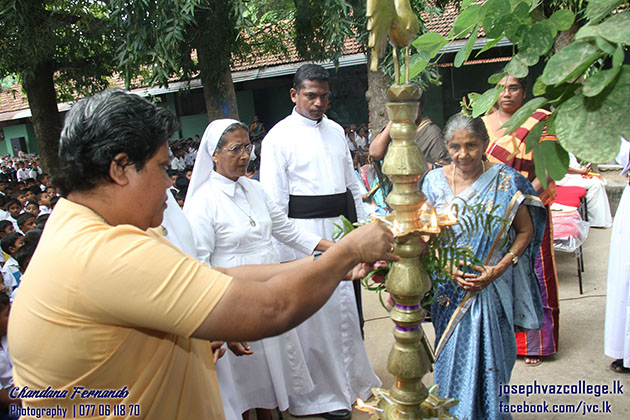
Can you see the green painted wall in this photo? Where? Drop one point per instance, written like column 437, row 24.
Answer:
column 31, row 140
column 5, row 143
column 193, row 124
column 14, row 131
column 245, row 105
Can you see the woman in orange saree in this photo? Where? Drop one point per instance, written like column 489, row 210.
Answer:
column 509, row 148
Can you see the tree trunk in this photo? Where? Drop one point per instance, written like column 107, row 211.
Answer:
column 220, row 100
column 378, row 83
column 564, row 38
column 42, row 100
column 214, row 63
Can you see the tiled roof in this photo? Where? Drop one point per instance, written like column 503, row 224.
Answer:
column 442, row 24
column 352, row 46
column 13, row 101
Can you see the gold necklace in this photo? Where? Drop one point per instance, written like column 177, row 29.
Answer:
column 483, row 169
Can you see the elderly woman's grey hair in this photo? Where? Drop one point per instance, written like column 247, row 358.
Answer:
column 230, row 129
column 474, row 126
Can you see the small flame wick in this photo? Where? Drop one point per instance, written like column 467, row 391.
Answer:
column 366, row 408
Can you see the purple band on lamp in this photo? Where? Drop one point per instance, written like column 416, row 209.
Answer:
column 408, row 329
column 409, row 308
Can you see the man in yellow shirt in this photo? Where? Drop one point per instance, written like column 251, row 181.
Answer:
column 113, row 320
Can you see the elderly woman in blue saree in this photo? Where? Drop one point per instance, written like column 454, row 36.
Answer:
column 476, row 312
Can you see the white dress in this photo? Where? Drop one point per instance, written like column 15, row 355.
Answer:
column 305, row 157
column 596, row 198
column 617, row 327
column 219, row 217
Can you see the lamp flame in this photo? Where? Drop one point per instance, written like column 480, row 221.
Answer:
column 396, row 228
column 372, row 209
column 451, row 214
column 434, row 221
column 366, row 408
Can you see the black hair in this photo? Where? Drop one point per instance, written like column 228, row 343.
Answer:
column 4, row 224
column 53, row 201
column 309, row 72
column 14, row 201
column 180, row 195
column 230, row 128
column 521, row 80
column 4, row 300
column 31, row 238
column 100, row 127
column 9, row 240
column 3, row 200
column 31, row 202
column 22, row 218
column 474, row 126
column 41, row 176
column 24, row 254
column 16, row 194
column 41, row 220
column 181, row 183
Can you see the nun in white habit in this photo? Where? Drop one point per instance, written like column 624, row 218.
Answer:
column 233, row 222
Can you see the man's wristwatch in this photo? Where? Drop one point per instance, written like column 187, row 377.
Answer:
column 514, row 257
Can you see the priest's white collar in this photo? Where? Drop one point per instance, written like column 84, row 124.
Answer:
column 307, row 121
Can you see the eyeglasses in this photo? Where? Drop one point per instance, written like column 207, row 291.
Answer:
column 238, row 149
column 512, row 88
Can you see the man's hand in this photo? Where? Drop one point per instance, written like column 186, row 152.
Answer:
column 217, row 350
column 240, row 349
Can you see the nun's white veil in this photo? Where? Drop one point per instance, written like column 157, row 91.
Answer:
column 204, row 165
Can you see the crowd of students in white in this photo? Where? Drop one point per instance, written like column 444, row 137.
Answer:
column 26, row 199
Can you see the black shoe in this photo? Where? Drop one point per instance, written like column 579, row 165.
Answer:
column 337, row 415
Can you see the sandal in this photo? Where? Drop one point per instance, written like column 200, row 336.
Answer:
column 617, row 366
column 533, row 361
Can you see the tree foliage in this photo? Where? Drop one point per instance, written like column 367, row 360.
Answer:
column 58, row 49
column 74, row 36
column 585, row 83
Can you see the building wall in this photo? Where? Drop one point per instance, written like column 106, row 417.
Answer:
column 15, row 131
column 193, row 125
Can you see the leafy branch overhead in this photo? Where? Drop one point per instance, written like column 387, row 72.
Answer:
column 586, row 84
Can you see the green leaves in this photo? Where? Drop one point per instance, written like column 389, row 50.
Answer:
column 493, row 11
column 496, row 78
column 596, row 10
column 590, row 127
column 562, row 19
column 570, row 62
column 483, row 104
column 533, row 138
column 616, row 28
column 466, row 20
column 431, row 43
column 465, row 51
column 550, row 158
column 523, row 113
column 517, row 67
